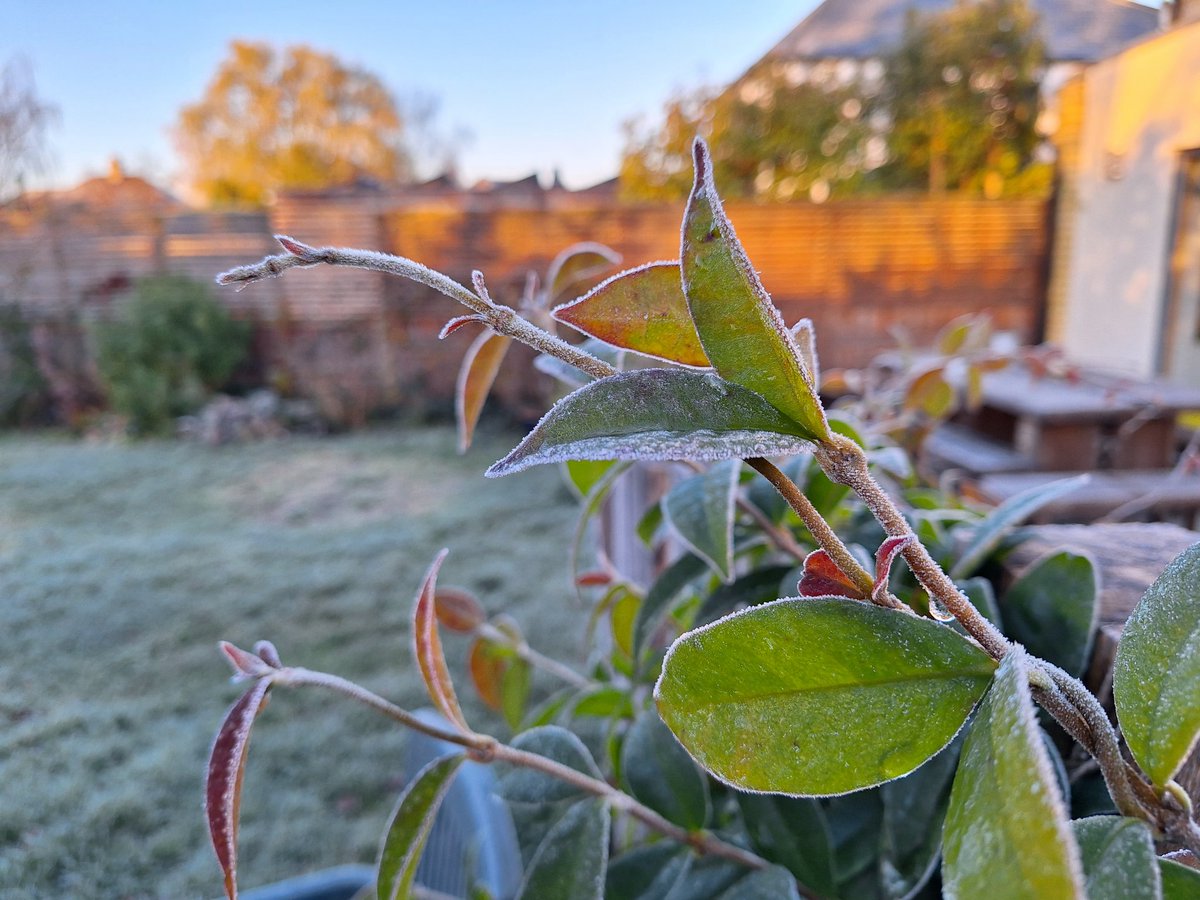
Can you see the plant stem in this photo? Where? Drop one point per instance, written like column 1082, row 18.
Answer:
column 499, row 318
column 844, row 462
column 825, row 536
column 485, row 748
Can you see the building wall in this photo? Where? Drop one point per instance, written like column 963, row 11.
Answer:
column 1141, row 109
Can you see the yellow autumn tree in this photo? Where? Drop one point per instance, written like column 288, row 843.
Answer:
column 296, row 118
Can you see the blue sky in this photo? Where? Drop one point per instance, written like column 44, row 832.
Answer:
column 539, row 85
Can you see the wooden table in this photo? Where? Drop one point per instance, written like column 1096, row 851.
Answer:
column 1099, row 422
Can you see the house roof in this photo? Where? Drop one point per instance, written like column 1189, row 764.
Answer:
column 1084, row 30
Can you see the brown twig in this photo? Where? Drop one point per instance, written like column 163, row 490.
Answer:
column 825, row 536
column 485, row 748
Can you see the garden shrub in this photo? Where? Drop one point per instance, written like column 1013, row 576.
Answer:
column 167, row 349
column 873, row 734
column 23, row 390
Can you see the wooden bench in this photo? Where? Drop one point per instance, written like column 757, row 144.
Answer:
column 1129, row 558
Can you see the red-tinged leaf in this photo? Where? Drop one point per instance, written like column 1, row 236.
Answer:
column 884, row 558
column 428, row 649
column 456, row 323
column 458, row 610
column 577, row 267
column 593, row 579
column 245, row 665
column 823, row 578
column 741, row 331
column 297, row 248
column 641, row 309
column 475, row 380
column 487, row 664
column 267, row 653
column 223, row 783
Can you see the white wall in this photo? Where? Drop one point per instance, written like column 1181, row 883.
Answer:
column 1141, row 109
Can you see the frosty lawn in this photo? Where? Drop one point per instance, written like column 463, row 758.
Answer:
column 120, row 568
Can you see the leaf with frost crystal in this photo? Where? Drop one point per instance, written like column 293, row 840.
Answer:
column 410, row 826
column 572, row 859
column 1179, row 882
column 641, row 309
column 657, row 414
column 818, row 697
column 793, row 832
column 1052, row 610
column 1157, row 670
column 1118, row 858
column 741, row 331
column 661, row 775
column 480, row 366
column 1007, row 834
column 700, row 509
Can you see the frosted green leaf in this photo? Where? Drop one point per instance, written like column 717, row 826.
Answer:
column 1118, row 858
column 1052, row 610
column 656, row 414
column 818, row 696
column 1012, row 512
column 771, row 883
column 572, row 858
column 648, row 873
column 741, row 331
column 521, row 785
column 1179, row 882
column 666, row 588
column 700, row 509
column 791, row 831
column 661, row 775
column 410, row 825
column 1156, row 677
column 1007, row 834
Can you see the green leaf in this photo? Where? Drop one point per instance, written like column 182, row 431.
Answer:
column 514, row 691
column 758, row 586
column 983, row 597
column 771, row 883
column 914, row 808
column 1012, row 512
column 741, row 331
column 656, row 414
column 1118, row 859
column 573, row 857
column 855, row 827
column 585, row 474
column 648, row 872
column 522, row 785
column 1052, row 610
column 700, row 510
column 410, row 826
column 791, row 831
column 665, row 589
column 1007, row 833
column 820, row 696
column 1157, row 670
column 662, row 775
column 1179, row 882
column 603, row 702
column 641, row 309
column 649, row 523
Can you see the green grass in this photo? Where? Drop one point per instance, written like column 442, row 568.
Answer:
column 120, row 568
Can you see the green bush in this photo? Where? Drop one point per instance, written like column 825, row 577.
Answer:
column 167, row 350
column 22, row 388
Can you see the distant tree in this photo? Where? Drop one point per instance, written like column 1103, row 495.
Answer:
column 24, row 121
column 962, row 94
column 297, row 118
column 770, row 139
